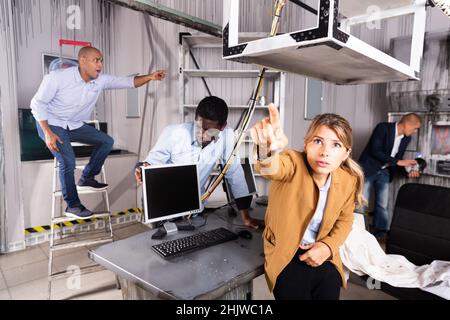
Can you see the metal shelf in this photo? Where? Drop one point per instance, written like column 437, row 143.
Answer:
column 323, row 61
column 329, row 51
column 275, row 79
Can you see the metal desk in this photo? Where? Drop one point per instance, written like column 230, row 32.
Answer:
column 224, row 271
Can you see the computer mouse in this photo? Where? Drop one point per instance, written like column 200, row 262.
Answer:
column 245, row 234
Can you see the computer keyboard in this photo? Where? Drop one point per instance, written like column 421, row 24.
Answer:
column 194, row 242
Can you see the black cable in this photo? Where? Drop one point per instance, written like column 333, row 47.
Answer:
column 244, row 113
column 198, row 68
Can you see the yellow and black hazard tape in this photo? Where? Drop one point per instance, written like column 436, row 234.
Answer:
column 77, row 222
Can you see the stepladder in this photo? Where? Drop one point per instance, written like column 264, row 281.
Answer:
column 76, row 233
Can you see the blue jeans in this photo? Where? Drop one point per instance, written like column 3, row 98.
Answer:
column 380, row 184
column 66, row 157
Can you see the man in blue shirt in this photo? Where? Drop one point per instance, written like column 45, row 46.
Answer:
column 206, row 141
column 64, row 101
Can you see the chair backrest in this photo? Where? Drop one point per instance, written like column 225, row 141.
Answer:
column 420, row 228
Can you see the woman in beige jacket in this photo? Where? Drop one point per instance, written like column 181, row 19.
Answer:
column 311, row 202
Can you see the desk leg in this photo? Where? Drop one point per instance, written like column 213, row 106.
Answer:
column 131, row 291
column 244, row 292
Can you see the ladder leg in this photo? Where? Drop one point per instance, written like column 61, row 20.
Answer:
column 50, row 262
column 110, row 227
column 107, row 220
column 50, row 272
column 108, row 209
column 61, row 234
column 52, row 231
column 118, row 285
column 49, row 294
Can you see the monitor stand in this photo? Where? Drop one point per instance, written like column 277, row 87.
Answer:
column 170, row 228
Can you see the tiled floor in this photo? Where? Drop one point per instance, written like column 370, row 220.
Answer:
column 23, row 276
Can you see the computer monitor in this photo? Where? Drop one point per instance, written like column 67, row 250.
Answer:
column 223, row 196
column 247, row 167
column 170, row 191
column 249, row 176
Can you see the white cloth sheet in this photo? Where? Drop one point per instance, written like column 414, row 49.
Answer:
column 362, row 255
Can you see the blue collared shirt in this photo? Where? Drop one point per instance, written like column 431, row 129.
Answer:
column 177, row 144
column 314, row 226
column 65, row 100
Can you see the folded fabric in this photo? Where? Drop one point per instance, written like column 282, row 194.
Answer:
column 362, row 255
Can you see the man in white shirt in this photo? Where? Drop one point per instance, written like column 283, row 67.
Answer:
column 380, row 160
column 205, row 141
column 64, row 101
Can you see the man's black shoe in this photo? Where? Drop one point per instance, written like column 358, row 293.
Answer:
column 78, row 212
column 91, row 184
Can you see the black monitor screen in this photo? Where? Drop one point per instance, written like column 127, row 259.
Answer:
column 249, row 177
column 247, row 167
column 170, row 191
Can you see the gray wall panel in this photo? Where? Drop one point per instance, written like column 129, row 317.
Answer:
column 128, row 48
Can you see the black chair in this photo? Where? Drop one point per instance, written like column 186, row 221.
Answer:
column 420, row 231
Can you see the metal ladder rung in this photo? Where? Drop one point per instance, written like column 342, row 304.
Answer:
column 82, row 191
column 83, row 270
column 80, row 144
column 76, row 168
column 98, row 215
column 78, row 244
